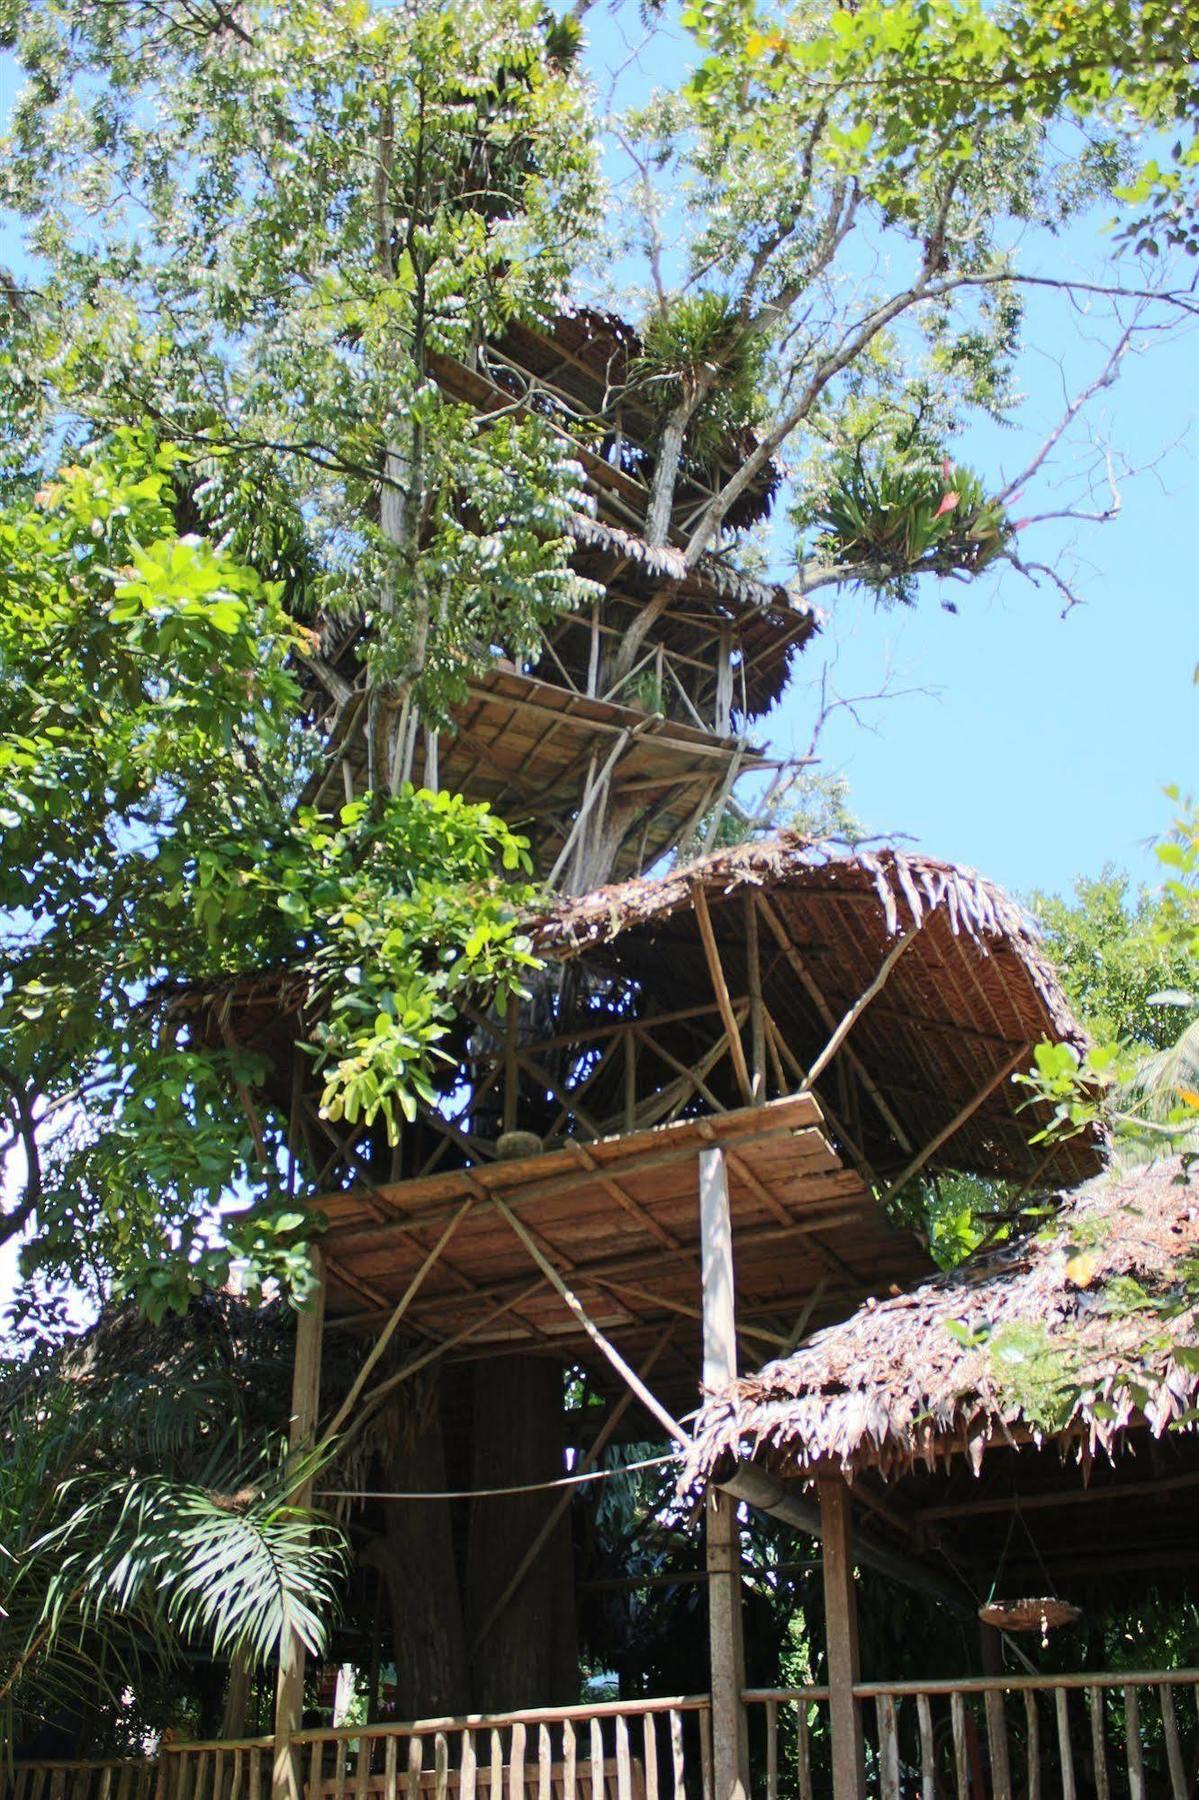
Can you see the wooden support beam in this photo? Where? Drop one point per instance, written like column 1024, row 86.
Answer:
column 841, row 1639
column 955, row 1124
column 388, row 1332
column 800, row 969
column 703, row 919
column 305, row 1408
column 378, row 1394
column 767, row 1493
column 670, row 1425
column 730, row 1743
column 851, row 1017
column 757, row 1020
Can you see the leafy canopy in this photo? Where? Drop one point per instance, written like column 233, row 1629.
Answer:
column 151, row 738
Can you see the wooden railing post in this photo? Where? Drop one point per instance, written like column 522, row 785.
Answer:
column 841, row 1631
column 305, row 1408
column 730, row 1736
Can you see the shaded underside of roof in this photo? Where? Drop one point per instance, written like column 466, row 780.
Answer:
column 971, row 995
column 1077, row 1336
column 621, row 1220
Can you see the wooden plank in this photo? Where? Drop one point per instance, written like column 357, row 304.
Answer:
column 441, row 1765
column 1178, row 1781
column 468, row 1767
column 649, row 1753
column 888, row 1747
column 339, row 1768
column 928, row 1748
column 416, row 1762
column 678, row 1765
column 1132, row 1738
column 997, row 1746
column 497, row 1766
column 305, row 1409
column 597, row 1761
column 803, row 1750
column 1032, row 1736
column 1065, row 1750
column 705, row 1755
column 624, row 1770
column 390, row 1772
column 961, row 1760
column 516, row 1764
column 772, row 1750
column 570, row 1783
column 1098, row 1743
column 255, row 1775
column 545, row 1763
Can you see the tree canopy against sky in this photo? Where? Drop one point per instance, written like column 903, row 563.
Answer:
column 252, row 228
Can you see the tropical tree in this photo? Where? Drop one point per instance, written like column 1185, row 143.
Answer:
column 151, row 738
column 148, row 1530
column 256, row 233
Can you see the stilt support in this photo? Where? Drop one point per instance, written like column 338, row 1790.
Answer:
column 305, row 1407
column 841, row 1634
column 730, row 1750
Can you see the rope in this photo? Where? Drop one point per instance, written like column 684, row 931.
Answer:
column 497, row 1493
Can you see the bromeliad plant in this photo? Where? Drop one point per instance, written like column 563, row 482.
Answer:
column 893, row 518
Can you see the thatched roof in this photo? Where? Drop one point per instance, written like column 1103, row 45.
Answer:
column 971, row 991
column 947, row 1369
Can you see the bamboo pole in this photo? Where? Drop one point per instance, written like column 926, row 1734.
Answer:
column 703, row 919
column 305, row 1408
column 652, row 1405
column 955, row 1124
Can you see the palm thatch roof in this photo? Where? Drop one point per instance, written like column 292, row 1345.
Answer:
column 972, row 992
column 1077, row 1334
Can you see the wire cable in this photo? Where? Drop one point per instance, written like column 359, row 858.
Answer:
column 497, row 1493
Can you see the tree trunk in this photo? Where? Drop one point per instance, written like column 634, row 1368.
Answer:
column 529, row 1655
column 416, row 1558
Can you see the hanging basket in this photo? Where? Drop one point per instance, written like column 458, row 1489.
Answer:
column 1043, row 1615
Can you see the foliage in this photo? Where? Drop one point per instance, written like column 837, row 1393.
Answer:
column 849, row 193
column 150, row 738
column 903, row 517
column 145, row 1520
column 1141, row 1078
column 300, row 208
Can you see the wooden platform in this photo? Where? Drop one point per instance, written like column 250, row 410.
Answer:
column 619, row 1219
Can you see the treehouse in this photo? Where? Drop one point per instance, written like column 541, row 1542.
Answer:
column 626, row 730
column 681, row 1152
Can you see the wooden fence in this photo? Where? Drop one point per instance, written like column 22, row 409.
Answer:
column 1033, row 1736
column 1007, row 1737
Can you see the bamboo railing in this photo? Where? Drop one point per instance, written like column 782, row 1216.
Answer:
column 1003, row 1737
column 616, row 1750
column 1124, row 1736
column 118, row 1778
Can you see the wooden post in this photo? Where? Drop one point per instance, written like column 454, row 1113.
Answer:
column 841, row 1630
column 305, row 1408
column 757, row 1020
column 722, row 1545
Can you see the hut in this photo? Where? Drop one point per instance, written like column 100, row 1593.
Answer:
column 1018, row 1437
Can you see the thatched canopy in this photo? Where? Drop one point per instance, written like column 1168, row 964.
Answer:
column 1054, row 1381
column 971, row 991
